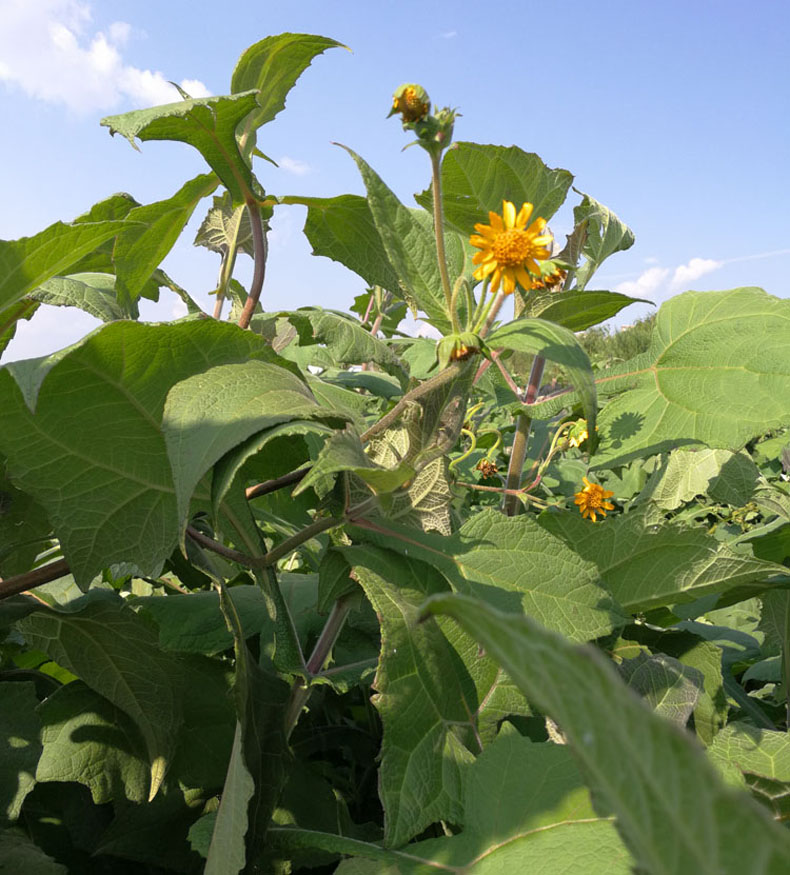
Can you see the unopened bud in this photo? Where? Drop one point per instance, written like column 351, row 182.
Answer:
column 412, row 102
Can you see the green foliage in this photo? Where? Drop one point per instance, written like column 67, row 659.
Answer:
column 261, row 609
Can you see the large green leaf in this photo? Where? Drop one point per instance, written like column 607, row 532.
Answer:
column 93, row 454
column 30, row 261
column 20, row 854
column 477, row 178
column 671, row 688
column 410, row 247
column 604, row 235
column 92, row 292
column 705, row 378
column 342, row 228
column 139, row 251
column 19, row 742
column 647, row 566
column 511, row 563
column 557, row 344
column 525, row 810
column 115, row 653
column 24, row 309
column 672, row 810
column 24, row 528
column 208, row 123
column 208, row 414
column 271, row 67
column 88, row 739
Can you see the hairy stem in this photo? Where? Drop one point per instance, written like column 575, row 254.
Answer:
column 260, row 250
column 518, row 452
column 277, row 483
column 300, row 692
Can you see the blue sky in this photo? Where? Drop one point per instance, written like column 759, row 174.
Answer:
column 673, row 114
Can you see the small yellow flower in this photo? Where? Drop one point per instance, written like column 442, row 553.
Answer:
column 576, row 440
column 592, row 500
column 509, row 250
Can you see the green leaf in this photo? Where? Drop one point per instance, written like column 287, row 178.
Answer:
column 271, row 67
column 670, row 688
column 226, row 228
column 704, row 378
column 428, row 715
column 647, row 566
column 410, row 247
column 605, row 235
column 30, row 261
column 194, row 623
column 208, row 123
column 89, row 740
column 344, row 452
column 557, row 344
column 115, row 653
column 342, row 228
column 24, row 529
column 512, row 564
column 725, row 476
column 20, row 854
column 579, row 310
column 106, row 482
column 525, row 809
column 139, row 251
column 477, row 178
column 671, row 809
column 24, row 309
column 21, row 748
column 758, row 759
column 208, row 414
column 92, row 292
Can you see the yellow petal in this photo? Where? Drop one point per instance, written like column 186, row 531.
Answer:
column 509, row 284
column 508, row 214
column 523, row 215
column 496, row 221
column 523, row 277
column 496, row 278
column 537, row 226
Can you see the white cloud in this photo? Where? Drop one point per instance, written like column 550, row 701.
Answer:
column 449, row 34
column 646, row 284
column 48, row 51
column 293, row 165
column 687, row 273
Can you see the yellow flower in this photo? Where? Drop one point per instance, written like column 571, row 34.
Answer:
column 592, row 500
column 578, row 433
column 509, row 249
column 412, row 102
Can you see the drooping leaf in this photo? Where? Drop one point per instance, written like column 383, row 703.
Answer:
column 557, row 344
column 704, row 379
column 208, row 414
column 477, row 178
column 115, row 653
column 89, row 740
column 410, row 247
column 24, row 309
column 19, row 737
column 207, row 123
column 30, row 261
column 604, row 235
column 646, row 566
column 92, row 292
column 271, row 67
column 139, row 251
column 226, row 227
column 671, row 809
column 106, row 484
column 669, row 687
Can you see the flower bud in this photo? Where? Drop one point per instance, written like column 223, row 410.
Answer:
column 412, row 102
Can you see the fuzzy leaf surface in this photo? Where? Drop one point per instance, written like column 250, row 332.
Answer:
column 672, row 810
column 20, row 746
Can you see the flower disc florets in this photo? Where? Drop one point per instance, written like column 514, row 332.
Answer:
column 510, row 251
column 592, row 500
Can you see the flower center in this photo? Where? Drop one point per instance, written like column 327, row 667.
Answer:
column 594, row 498
column 511, row 248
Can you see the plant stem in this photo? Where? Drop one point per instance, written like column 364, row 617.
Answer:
column 518, row 451
column 290, row 544
column 277, row 483
column 493, row 312
column 260, row 250
column 30, row 579
column 300, row 692
column 438, row 228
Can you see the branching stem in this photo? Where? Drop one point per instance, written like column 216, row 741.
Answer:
column 518, row 452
